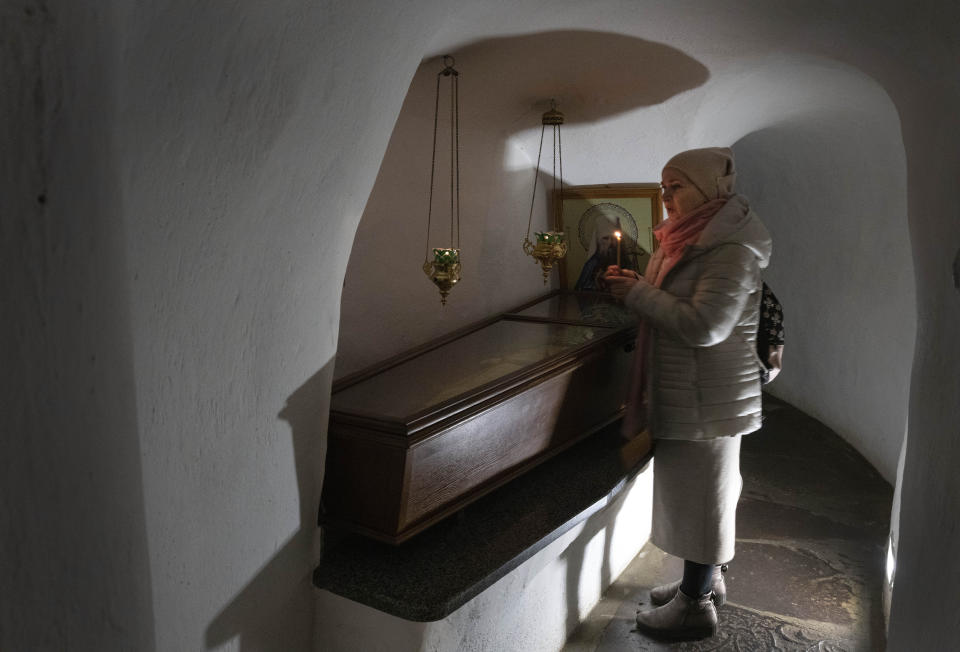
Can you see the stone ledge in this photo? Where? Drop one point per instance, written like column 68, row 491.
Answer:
column 432, row 575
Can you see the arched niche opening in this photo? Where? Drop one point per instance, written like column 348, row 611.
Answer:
column 820, row 154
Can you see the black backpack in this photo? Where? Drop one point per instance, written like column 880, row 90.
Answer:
column 770, row 335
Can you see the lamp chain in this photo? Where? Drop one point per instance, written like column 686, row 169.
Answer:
column 433, row 167
column 448, row 71
column 560, row 151
column 554, row 164
column 456, row 122
column 453, row 158
column 536, row 176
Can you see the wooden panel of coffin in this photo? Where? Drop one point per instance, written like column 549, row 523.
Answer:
column 423, row 434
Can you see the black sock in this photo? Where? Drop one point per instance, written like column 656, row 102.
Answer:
column 697, row 578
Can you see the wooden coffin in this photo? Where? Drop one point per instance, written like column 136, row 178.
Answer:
column 416, row 438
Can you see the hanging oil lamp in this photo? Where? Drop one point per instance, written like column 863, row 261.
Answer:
column 444, row 267
column 551, row 246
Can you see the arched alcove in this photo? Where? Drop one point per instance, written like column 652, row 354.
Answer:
column 820, row 154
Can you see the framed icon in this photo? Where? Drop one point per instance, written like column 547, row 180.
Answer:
column 591, row 216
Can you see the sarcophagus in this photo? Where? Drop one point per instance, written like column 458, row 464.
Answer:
column 420, row 436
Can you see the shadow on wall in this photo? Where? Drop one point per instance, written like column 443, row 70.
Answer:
column 505, row 85
column 575, row 556
column 593, row 75
column 275, row 610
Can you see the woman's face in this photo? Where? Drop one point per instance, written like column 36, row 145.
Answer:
column 680, row 196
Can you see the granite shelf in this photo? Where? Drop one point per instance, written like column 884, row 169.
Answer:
column 430, row 576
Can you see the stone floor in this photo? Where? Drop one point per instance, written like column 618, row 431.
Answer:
column 812, row 527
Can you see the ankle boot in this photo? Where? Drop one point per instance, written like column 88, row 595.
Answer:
column 664, row 594
column 682, row 618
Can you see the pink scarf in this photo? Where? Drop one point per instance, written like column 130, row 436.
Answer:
column 673, row 236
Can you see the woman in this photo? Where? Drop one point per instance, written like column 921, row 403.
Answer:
column 697, row 383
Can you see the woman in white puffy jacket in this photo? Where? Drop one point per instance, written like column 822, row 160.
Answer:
column 697, row 379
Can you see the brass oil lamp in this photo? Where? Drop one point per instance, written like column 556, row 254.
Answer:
column 551, row 246
column 444, row 268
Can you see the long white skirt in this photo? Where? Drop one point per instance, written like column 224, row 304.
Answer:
column 696, row 486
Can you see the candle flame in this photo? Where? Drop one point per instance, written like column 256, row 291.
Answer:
column 616, row 234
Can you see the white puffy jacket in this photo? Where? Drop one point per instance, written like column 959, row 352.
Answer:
column 704, row 379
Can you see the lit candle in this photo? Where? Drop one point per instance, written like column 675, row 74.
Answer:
column 617, row 236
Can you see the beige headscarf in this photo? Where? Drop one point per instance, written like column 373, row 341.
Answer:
column 710, row 169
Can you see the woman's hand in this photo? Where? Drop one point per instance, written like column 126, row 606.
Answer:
column 614, row 270
column 620, row 281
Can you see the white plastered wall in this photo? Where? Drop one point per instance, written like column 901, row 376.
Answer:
column 821, row 158
column 74, row 562
column 250, row 139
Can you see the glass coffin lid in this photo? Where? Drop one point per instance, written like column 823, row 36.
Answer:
column 462, row 367
column 588, row 308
